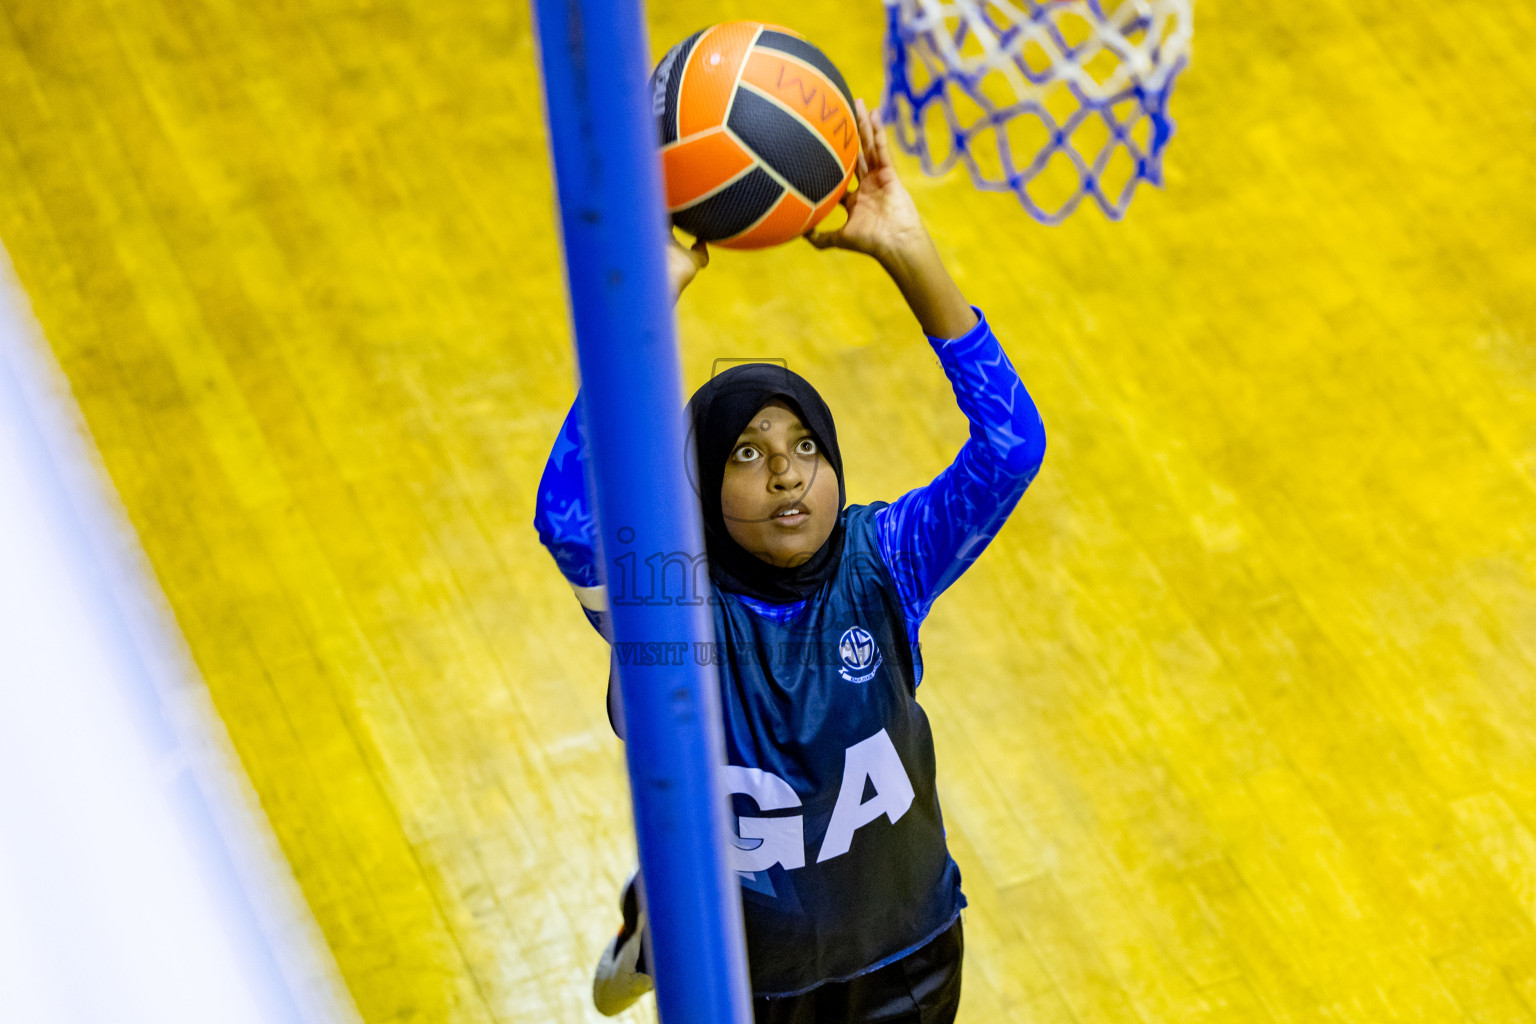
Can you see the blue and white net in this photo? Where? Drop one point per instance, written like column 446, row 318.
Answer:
column 1053, row 100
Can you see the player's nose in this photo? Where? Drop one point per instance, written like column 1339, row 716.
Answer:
column 783, row 473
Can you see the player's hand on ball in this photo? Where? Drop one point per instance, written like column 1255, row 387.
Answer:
column 683, row 265
column 882, row 219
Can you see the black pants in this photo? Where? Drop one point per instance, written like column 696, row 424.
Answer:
column 922, row 987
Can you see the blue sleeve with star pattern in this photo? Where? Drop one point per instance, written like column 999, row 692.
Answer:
column 563, row 517
column 932, row 534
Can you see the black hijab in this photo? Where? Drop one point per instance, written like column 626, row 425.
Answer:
column 718, row 413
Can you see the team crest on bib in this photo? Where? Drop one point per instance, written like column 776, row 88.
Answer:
column 861, row 655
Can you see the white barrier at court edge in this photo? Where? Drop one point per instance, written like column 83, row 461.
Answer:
column 139, row 880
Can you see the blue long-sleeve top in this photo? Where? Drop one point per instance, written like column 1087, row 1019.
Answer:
column 927, row 537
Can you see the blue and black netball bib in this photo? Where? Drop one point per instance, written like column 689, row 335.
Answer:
column 840, row 846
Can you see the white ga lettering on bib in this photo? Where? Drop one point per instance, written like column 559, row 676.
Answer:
column 763, row 842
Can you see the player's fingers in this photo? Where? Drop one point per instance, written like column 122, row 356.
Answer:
column 700, row 254
column 866, row 134
column 882, row 142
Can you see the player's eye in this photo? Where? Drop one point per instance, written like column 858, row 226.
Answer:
column 746, row 453
column 807, row 446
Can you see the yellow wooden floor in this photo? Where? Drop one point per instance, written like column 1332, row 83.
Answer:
column 1236, row 720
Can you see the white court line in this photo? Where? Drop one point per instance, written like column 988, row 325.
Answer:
column 139, row 879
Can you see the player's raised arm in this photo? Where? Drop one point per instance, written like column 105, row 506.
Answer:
column 563, row 512
column 683, row 265
column 931, row 534
column 883, row 222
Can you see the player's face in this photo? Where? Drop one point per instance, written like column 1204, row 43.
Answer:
column 779, row 495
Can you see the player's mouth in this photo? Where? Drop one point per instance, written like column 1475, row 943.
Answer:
column 790, row 515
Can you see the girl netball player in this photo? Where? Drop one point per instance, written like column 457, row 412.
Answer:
column 851, row 900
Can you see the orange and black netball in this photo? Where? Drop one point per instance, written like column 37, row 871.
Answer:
column 758, row 134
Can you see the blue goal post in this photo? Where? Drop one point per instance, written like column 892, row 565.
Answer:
column 602, row 134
